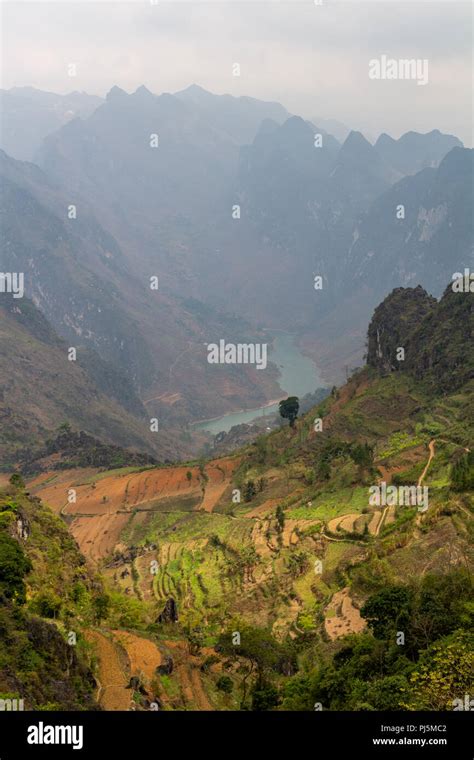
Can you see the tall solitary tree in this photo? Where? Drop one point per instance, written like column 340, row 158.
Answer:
column 289, row 408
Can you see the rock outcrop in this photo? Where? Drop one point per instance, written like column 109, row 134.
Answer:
column 170, row 612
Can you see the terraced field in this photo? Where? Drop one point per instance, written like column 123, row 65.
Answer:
column 100, row 504
column 174, row 532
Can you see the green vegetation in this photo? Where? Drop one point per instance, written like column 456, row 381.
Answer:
column 418, row 656
column 302, row 593
column 462, row 473
column 41, row 599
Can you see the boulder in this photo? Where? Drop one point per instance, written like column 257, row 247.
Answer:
column 169, row 613
column 166, row 667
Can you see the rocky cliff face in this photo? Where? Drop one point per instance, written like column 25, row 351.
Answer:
column 412, row 332
column 392, row 324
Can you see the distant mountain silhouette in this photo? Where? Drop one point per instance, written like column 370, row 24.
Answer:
column 29, row 115
column 164, row 175
column 414, row 151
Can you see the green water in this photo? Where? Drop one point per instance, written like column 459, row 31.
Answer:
column 298, row 376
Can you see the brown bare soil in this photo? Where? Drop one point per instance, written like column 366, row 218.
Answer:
column 187, row 667
column 143, row 654
column 98, row 535
column 346, row 618
column 52, row 487
column 138, row 490
column 375, row 522
column 390, row 516
column 219, row 475
column 292, row 528
column 103, row 506
column 404, row 460
column 264, row 509
column 346, row 522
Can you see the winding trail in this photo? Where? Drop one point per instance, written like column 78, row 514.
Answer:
column 431, row 447
column 381, row 521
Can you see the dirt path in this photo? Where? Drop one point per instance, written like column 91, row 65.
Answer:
column 381, row 521
column 431, row 447
column 112, row 676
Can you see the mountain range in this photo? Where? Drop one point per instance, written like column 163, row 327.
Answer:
column 237, row 208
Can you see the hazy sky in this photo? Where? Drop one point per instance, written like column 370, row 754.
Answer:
column 313, row 59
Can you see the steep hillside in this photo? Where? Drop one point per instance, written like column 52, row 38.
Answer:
column 29, row 115
column 41, row 390
column 47, row 595
column 95, row 298
column 419, row 230
column 435, row 337
column 284, row 544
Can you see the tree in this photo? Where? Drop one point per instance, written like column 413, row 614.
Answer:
column 444, row 673
column 264, row 653
column 443, row 604
column 265, row 697
column 225, row 684
column 101, row 606
column 462, row 473
column 195, row 639
column 289, row 409
column 297, row 564
column 248, row 559
column 14, row 565
column 280, row 518
column 362, row 454
column 249, row 490
column 47, row 604
column 324, row 470
column 388, row 609
column 17, row 481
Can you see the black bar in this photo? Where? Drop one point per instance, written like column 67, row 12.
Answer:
column 115, row 735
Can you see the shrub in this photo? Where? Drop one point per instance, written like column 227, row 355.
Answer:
column 225, row 684
column 14, row 565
